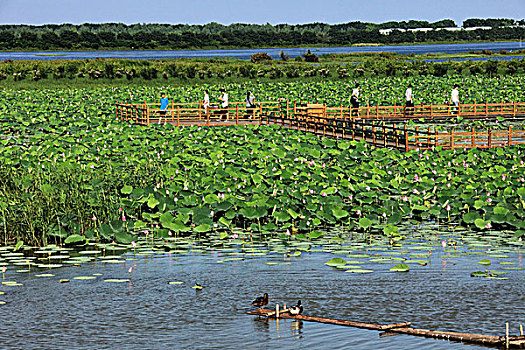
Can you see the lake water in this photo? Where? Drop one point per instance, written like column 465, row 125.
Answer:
column 246, row 53
column 149, row 313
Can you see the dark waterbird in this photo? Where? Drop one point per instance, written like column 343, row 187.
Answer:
column 297, row 309
column 261, row 301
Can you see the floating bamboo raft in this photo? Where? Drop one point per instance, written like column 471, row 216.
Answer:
column 515, row 342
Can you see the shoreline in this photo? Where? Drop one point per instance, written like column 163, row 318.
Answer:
column 316, row 46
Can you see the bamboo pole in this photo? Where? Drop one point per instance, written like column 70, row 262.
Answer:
column 506, row 335
column 400, row 328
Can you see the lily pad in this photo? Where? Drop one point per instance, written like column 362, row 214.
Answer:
column 400, row 268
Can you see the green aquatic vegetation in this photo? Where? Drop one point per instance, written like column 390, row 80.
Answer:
column 73, row 173
column 400, row 268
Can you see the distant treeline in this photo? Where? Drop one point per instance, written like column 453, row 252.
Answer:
column 215, row 35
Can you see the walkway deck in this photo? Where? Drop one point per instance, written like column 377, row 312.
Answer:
column 376, row 125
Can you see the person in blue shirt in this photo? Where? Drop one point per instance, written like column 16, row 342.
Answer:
column 164, row 102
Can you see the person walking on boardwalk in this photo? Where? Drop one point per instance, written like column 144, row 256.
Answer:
column 409, row 104
column 454, row 98
column 206, row 102
column 164, row 102
column 250, row 104
column 224, row 100
column 354, row 100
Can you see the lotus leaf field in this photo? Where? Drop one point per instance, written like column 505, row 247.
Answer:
column 70, row 171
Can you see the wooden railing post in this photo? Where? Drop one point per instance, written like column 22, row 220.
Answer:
column 287, row 108
column 406, row 138
column 510, row 136
column 431, row 112
column 473, row 139
column 237, row 114
column 207, row 116
column 384, row 134
column 514, row 109
column 486, row 108
column 147, row 113
column 394, row 135
column 178, row 115
column 490, row 138
column 395, row 104
column 452, row 139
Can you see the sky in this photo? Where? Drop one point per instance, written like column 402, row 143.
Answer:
column 254, row 11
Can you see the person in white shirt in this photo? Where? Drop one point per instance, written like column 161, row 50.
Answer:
column 224, row 99
column 354, row 100
column 454, row 98
column 409, row 104
column 250, row 104
column 206, row 102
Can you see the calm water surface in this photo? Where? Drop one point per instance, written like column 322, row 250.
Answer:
column 149, row 313
column 246, row 53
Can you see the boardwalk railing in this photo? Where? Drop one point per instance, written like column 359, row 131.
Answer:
column 432, row 112
column 471, row 139
column 375, row 125
column 186, row 114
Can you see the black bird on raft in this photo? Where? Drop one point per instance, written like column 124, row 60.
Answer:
column 297, row 309
column 261, row 301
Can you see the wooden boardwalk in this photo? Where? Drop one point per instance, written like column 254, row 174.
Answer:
column 376, row 125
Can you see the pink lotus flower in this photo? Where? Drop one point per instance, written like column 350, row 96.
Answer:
column 130, row 269
column 488, row 225
column 288, row 232
column 448, row 185
column 358, row 212
column 443, row 244
column 133, row 244
column 448, row 207
column 3, row 269
column 123, row 217
column 489, row 200
column 323, row 194
column 234, row 236
column 94, row 218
